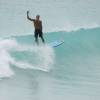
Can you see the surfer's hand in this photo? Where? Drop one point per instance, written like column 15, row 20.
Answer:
column 27, row 12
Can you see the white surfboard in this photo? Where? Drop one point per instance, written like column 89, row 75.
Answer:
column 56, row 43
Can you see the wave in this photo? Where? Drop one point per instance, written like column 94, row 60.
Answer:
column 43, row 55
column 67, row 30
column 73, row 28
column 80, row 53
column 20, row 51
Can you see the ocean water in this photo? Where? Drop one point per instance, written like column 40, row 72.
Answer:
column 69, row 72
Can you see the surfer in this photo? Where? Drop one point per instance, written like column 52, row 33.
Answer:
column 38, row 27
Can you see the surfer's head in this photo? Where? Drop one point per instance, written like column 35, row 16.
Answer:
column 37, row 17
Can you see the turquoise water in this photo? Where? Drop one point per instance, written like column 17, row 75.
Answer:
column 69, row 72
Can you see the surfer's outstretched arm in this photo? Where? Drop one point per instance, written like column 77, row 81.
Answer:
column 29, row 17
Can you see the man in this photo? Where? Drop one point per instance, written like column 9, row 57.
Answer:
column 38, row 27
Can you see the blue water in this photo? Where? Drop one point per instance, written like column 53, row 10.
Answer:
column 69, row 72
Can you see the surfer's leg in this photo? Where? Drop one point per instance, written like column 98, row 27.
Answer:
column 42, row 39
column 41, row 36
column 36, row 38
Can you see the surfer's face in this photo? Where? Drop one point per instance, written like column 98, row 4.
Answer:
column 37, row 17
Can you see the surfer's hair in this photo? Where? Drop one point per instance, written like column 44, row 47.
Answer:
column 37, row 15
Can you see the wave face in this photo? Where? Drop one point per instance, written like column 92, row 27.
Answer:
column 70, row 71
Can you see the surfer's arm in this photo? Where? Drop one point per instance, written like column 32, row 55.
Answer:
column 29, row 17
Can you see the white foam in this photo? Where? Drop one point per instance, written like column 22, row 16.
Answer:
column 5, row 58
column 44, row 57
column 8, row 44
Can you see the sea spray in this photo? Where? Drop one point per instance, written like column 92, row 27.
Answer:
column 43, row 57
column 5, row 57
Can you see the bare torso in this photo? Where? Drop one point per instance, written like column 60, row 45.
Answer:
column 38, row 24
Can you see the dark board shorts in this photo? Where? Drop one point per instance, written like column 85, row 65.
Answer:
column 38, row 33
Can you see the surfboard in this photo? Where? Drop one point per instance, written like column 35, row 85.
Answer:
column 56, row 43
